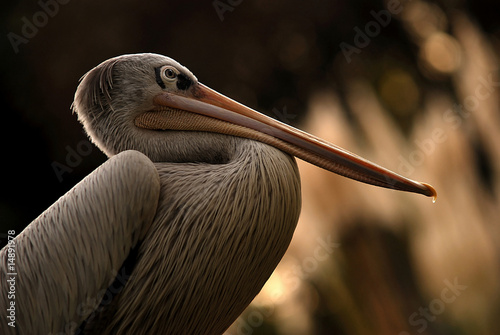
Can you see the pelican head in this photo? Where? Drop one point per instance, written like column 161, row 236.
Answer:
column 153, row 104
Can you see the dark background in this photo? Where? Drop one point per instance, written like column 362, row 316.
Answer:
column 270, row 55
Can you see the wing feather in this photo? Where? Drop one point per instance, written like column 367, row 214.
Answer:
column 69, row 255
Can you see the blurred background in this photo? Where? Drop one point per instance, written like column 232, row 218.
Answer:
column 412, row 85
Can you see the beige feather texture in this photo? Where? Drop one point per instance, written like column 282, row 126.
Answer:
column 209, row 250
column 71, row 253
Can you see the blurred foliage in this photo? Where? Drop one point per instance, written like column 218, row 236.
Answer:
column 414, row 97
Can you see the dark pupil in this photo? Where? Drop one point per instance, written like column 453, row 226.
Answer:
column 169, row 73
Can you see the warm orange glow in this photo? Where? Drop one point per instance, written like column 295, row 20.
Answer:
column 442, row 53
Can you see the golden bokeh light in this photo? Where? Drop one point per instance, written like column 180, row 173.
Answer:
column 441, row 53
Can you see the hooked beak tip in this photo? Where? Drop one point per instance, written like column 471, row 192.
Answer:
column 430, row 192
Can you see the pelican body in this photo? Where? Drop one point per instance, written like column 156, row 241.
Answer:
column 179, row 230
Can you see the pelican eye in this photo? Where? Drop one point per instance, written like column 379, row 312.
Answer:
column 170, row 73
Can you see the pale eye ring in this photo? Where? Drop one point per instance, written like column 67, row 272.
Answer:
column 170, row 73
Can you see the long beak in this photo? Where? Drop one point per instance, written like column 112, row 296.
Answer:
column 211, row 107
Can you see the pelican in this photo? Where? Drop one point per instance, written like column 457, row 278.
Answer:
column 180, row 228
